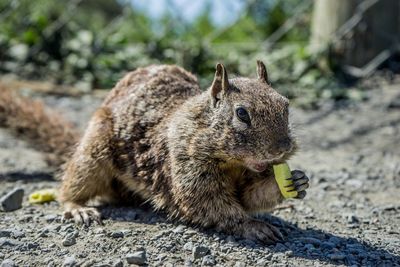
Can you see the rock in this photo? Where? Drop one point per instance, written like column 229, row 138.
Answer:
column 337, row 256
column 240, row 264
column 118, row 263
column 117, row 234
column 188, row 263
column 189, row 232
column 70, row 261
column 8, row 242
column 335, row 240
column 262, row 262
column 161, row 257
column 280, row 247
column 69, row 240
column 5, row 233
column 99, row 231
column 311, row 240
column 14, row 233
column 199, row 251
column 208, row 260
column 31, row 245
column 352, row 218
column 179, row 229
column 130, row 215
column 7, row 263
column 188, row 246
column 138, row 257
column 309, row 247
column 327, row 245
column 230, row 238
column 289, row 253
column 395, row 103
column 248, row 243
column 12, row 200
column 50, row 218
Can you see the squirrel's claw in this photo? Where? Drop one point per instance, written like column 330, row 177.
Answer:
column 83, row 215
column 261, row 231
column 300, row 183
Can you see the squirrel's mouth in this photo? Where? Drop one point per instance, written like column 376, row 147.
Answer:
column 262, row 165
column 257, row 166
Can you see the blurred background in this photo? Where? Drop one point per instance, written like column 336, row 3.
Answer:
column 313, row 50
column 338, row 61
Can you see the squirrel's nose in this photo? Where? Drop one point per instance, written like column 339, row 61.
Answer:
column 284, row 144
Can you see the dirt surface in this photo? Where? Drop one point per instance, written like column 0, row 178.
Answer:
column 350, row 217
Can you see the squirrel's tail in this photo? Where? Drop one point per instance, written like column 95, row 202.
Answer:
column 45, row 129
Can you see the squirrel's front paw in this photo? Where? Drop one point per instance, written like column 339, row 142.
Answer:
column 81, row 214
column 260, row 231
column 300, row 183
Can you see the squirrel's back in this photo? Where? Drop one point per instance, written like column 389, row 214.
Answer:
column 137, row 103
column 147, row 95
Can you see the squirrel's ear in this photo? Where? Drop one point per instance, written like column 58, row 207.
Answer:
column 220, row 82
column 262, row 72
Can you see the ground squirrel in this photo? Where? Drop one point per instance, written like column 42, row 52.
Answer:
column 203, row 157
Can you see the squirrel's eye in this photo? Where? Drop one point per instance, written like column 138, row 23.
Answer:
column 243, row 115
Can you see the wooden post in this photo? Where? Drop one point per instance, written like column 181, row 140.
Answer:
column 377, row 31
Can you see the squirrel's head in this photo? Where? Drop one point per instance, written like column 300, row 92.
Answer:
column 253, row 119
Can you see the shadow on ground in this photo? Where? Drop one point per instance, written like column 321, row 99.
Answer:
column 27, row 177
column 311, row 243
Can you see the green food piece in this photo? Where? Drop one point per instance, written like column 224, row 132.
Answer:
column 282, row 173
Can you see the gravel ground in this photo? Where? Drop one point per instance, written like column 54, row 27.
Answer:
column 350, row 217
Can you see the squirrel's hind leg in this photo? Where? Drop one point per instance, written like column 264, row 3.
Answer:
column 89, row 173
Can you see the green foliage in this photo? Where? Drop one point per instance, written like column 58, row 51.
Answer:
column 93, row 43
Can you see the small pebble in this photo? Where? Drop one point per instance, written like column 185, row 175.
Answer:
column 4, row 242
column 117, row 234
column 179, row 229
column 118, row 263
column 262, row 262
column 188, row 246
column 99, row 230
column 311, row 240
column 5, row 233
column 188, row 263
column 280, row 247
column 309, row 246
column 351, row 218
column 208, row 260
column 7, row 263
column 69, row 240
column 50, row 218
column 289, row 253
column 69, row 261
column 336, row 256
column 199, row 251
column 327, row 245
column 138, row 257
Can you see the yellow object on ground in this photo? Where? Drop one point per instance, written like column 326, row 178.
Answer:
column 43, row 196
column 282, row 173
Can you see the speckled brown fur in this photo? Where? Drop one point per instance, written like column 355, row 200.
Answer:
column 158, row 137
